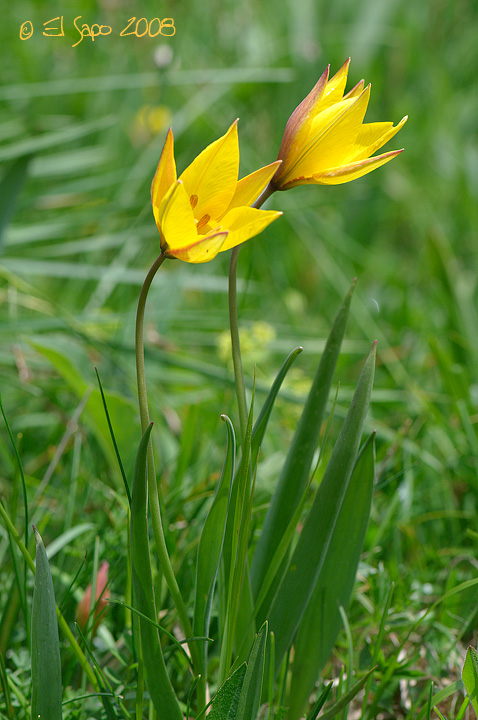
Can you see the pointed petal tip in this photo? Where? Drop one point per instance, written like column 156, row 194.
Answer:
column 325, row 75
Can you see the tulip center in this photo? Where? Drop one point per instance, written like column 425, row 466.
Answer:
column 193, row 200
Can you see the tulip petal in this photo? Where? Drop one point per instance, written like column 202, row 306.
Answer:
column 334, row 134
column 244, row 223
column 373, row 136
column 202, row 250
column 356, row 90
column 250, row 187
column 297, row 125
column 334, row 89
column 165, row 174
column 176, row 220
column 343, row 174
column 211, row 178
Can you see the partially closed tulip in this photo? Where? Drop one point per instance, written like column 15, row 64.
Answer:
column 325, row 141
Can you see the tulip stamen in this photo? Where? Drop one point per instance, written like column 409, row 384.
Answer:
column 202, row 222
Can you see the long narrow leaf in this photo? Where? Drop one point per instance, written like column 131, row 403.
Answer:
column 470, row 676
column 310, row 553
column 53, row 139
column 46, row 668
column 250, row 698
column 225, row 704
column 320, row 702
column 259, row 429
column 211, row 542
column 159, row 685
column 113, row 439
column 6, row 689
column 235, row 547
column 295, row 472
column 321, row 622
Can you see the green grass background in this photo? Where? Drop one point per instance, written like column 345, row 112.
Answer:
column 82, row 237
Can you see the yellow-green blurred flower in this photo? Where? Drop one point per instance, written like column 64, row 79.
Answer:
column 149, row 121
column 207, row 210
column 255, row 343
column 325, row 141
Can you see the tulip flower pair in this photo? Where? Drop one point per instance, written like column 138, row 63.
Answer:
column 207, row 210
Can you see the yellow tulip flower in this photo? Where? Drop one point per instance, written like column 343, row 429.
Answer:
column 325, row 141
column 207, row 210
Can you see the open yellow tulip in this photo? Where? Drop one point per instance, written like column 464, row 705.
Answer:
column 325, row 141
column 207, row 210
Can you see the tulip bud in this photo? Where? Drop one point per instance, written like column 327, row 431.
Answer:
column 101, row 599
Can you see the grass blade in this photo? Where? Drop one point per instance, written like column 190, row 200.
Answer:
column 10, row 187
column 320, row 702
column 347, row 697
column 6, row 689
column 113, row 439
column 53, row 139
column 46, row 668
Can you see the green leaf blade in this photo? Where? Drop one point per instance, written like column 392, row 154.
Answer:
column 226, row 702
column 305, row 565
column 293, row 479
column 211, row 541
column 321, row 622
column 46, row 667
column 250, row 698
column 470, row 676
column 159, row 685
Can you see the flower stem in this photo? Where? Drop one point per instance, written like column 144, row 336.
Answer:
column 153, row 495
column 235, row 342
column 234, row 325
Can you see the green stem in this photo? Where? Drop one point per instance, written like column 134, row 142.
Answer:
column 153, row 495
column 234, row 325
column 139, row 344
column 236, row 344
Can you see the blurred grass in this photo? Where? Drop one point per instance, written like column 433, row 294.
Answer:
column 82, row 237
